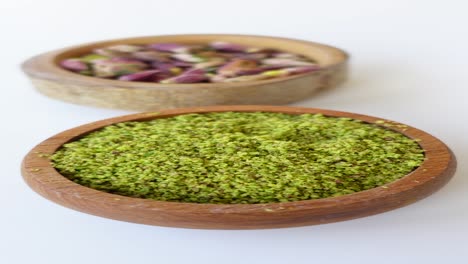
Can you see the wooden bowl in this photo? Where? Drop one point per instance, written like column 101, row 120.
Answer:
column 435, row 171
column 53, row 81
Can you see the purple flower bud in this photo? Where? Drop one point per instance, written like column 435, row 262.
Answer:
column 169, row 47
column 74, row 65
column 140, row 76
column 227, row 47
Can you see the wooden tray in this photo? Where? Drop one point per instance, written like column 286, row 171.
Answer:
column 436, row 170
column 53, row 81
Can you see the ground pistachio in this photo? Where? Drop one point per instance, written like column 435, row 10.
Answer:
column 238, row 158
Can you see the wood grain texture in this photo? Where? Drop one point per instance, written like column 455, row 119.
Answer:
column 436, row 170
column 53, row 81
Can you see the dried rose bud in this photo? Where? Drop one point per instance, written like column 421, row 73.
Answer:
column 169, row 47
column 74, row 65
column 211, row 63
column 117, row 66
column 151, row 55
column 139, row 76
column 187, row 57
column 227, row 47
column 237, row 65
column 286, row 62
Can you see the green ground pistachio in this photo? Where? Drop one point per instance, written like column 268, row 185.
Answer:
column 235, row 157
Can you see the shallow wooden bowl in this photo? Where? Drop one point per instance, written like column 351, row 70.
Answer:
column 436, row 170
column 53, row 81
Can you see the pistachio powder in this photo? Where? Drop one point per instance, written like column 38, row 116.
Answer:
column 235, row 157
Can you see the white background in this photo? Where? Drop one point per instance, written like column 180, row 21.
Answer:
column 409, row 64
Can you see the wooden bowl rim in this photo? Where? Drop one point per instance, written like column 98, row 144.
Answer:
column 39, row 170
column 45, row 65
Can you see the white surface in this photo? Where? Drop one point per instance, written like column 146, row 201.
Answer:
column 409, row 64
